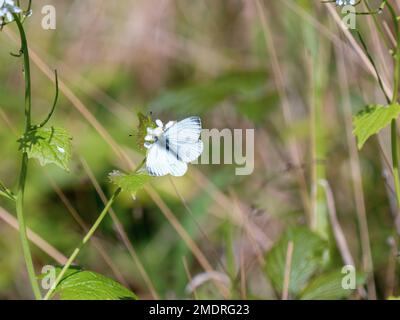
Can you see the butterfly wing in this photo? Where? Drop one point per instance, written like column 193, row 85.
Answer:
column 183, row 139
column 160, row 161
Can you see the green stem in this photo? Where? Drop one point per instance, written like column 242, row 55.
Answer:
column 395, row 161
column 24, row 166
column 364, row 45
column 27, row 73
column 87, row 237
column 53, row 108
column 83, row 242
column 22, row 228
column 394, row 143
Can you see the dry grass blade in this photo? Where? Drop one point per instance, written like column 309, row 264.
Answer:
column 338, row 231
column 285, row 105
column 356, row 178
column 288, row 268
column 34, row 238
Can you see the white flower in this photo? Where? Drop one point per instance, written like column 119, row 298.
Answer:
column 7, row 8
column 342, row 3
column 154, row 133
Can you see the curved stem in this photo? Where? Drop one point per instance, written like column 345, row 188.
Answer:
column 24, row 166
column 83, row 242
column 27, row 73
column 53, row 108
column 369, row 56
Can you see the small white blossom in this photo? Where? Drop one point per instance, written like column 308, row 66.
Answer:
column 159, row 123
column 7, row 8
column 342, row 3
column 115, row 174
column 154, row 133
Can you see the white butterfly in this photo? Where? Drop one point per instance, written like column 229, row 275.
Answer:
column 173, row 146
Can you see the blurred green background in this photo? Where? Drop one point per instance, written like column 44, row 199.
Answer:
column 281, row 67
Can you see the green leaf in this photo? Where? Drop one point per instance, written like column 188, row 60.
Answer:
column 328, row 287
column 144, row 123
column 131, row 183
column 48, row 145
column 79, row 284
column 373, row 119
column 307, row 257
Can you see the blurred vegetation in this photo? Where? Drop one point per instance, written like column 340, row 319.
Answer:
column 214, row 59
